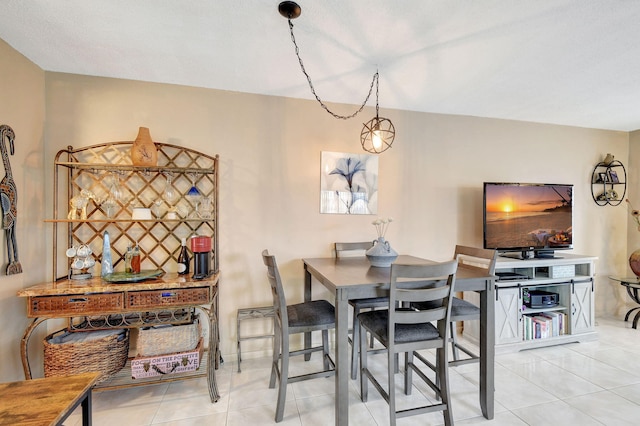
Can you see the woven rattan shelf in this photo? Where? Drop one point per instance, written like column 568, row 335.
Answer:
column 92, row 173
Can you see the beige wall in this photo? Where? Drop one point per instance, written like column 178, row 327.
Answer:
column 22, row 108
column 430, row 181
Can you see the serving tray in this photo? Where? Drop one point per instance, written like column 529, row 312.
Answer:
column 128, row 277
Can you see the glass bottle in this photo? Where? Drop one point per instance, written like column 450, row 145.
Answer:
column 106, row 266
column 183, row 259
column 135, row 260
column 127, row 260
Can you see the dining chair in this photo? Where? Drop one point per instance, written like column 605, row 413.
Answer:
column 407, row 330
column 464, row 310
column 315, row 315
column 358, row 305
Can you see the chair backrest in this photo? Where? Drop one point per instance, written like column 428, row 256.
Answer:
column 427, row 285
column 472, row 257
column 343, row 249
column 279, row 300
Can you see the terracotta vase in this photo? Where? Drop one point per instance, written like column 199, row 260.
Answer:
column 143, row 150
column 634, row 262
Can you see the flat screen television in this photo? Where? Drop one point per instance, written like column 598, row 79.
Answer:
column 526, row 220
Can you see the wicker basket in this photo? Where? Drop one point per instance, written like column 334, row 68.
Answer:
column 166, row 339
column 106, row 354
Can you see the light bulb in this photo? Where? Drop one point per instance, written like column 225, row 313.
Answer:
column 376, row 139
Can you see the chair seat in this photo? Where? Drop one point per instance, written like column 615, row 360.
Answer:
column 462, row 309
column 370, row 302
column 377, row 322
column 315, row 314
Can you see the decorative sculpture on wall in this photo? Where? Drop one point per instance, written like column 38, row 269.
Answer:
column 9, row 201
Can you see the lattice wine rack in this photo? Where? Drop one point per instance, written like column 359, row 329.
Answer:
column 104, row 169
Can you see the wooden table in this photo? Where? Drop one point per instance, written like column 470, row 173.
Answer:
column 353, row 277
column 163, row 300
column 46, row 401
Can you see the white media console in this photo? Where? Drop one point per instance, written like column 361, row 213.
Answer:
column 565, row 318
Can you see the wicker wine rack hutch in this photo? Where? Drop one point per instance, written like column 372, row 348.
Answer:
column 93, row 303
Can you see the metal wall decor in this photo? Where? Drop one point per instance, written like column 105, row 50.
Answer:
column 378, row 134
column 9, row 201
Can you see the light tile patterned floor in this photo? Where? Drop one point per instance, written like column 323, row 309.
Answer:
column 593, row 383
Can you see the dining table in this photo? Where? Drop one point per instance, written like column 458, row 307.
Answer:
column 353, row 278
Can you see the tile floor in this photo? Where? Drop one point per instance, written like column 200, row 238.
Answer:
column 593, row 383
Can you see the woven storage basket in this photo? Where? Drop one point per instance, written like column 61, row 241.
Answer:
column 166, row 339
column 106, row 355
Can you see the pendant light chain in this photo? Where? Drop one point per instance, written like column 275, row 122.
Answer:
column 313, row 91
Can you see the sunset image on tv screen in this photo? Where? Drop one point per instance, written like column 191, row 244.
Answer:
column 521, row 216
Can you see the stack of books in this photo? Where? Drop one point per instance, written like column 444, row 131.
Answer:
column 544, row 325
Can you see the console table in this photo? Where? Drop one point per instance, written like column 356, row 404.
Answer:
column 46, row 401
column 632, row 284
column 95, row 304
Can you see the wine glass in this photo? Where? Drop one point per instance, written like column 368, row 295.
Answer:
column 109, row 205
column 169, row 194
column 206, row 208
column 114, row 189
column 195, row 197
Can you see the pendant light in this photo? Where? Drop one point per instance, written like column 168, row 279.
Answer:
column 378, row 133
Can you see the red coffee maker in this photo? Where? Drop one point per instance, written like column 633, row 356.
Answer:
column 201, row 249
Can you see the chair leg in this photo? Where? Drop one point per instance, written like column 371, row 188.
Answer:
column 277, row 347
column 391, row 360
column 325, row 349
column 284, row 377
column 408, row 372
column 443, row 375
column 364, row 379
column 238, row 342
column 454, row 341
column 356, row 344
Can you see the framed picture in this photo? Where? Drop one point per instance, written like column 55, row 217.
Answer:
column 613, row 177
column 602, row 177
column 348, row 183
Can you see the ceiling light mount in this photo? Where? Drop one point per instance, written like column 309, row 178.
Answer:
column 378, row 133
column 289, row 9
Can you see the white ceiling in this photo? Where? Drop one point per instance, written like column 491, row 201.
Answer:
column 571, row 62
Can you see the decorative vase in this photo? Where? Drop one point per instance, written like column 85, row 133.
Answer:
column 634, row 262
column 381, row 254
column 143, row 151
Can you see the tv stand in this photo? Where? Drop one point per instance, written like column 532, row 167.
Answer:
column 570, row 277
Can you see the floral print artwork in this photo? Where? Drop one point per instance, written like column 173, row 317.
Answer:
column 349, row 183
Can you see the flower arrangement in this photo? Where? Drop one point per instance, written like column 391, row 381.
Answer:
column 381, row 226
column 635, row 214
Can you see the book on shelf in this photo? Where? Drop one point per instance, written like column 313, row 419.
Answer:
column 544, row 325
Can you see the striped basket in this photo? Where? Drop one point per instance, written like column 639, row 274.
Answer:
column 166, row 339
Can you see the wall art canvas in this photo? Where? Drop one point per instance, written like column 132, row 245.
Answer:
column 349, row 183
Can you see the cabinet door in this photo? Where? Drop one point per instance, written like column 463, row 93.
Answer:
column 508, row 315
column 582, row 309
